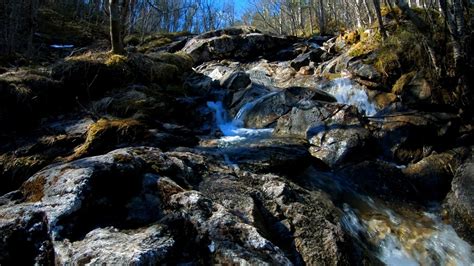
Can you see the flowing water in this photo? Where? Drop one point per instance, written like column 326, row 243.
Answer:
column 395, row 235
column 345, row 93
column 233, row 129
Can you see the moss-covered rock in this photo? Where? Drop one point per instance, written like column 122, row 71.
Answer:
column 183, row 61
column 104, row 135
column 91, row 75
column 15, row 170
column 25, row 96
column 18, row 165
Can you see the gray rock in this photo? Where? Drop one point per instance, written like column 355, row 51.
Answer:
column 147, row 246
column 336, row 132
column 265, row 112
column 235, row 81
column 238, row 44
column 25, row 238
column 364, row 71
column 300, row 61
column 433, row 174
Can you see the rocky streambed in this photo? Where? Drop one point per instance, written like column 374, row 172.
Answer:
column 262, row 160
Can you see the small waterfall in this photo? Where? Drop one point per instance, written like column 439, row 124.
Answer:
column 233, row 130
column 346, row 93
column 418, row 239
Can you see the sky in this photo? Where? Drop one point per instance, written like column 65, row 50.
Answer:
column 241, row 6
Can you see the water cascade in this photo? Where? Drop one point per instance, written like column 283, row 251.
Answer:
column 346, row 93
column 396, row 235
column 233, row 129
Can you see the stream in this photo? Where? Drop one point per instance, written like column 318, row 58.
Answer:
column 394, row 233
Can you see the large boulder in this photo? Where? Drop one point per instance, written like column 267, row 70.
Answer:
column 148, row 246
column 340, row 138
column 185, row 206
column 284, row 212
column 407, row 137
column 265, row 108
column 336, row 132
column 234, row 43
column 25, row 237
column 460, row 201
column 235, row 81
column 433, row 174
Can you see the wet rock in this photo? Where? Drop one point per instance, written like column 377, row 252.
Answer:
column 76, row 196
column 405, row 137
column 380, row 179
column 337, row 142
column 266, row 111
column 460, row 201
column 282, row 212
column 273, row 155
column 235, row 81
column 364, row 71
column 147, row 246
column 432, row 175
column 289, row 210
column 300, row 61
column 336, row 132
column 310, row 115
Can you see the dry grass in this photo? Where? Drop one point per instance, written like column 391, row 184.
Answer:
column 105, row 134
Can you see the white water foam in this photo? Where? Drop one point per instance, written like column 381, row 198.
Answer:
column 346, row 93
column 440, row 246
column 233, row 130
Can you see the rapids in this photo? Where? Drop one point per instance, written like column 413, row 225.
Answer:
column 395, row 235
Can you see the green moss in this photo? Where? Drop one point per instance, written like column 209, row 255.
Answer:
column 152, row 70
column 369, row 42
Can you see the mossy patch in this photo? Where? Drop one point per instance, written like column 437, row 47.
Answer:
column 154, row 41
column 404, row 80
column 368, row 42
column 15, row 170
column 91, row 75
column 26, row 95
column 106, row 134
column 33, row 190
column 332, row 76
column 183, row 61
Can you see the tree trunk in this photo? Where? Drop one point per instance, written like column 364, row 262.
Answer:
column 379, row 18
column 322, row 26
column 116, row 27
column 369, row 14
